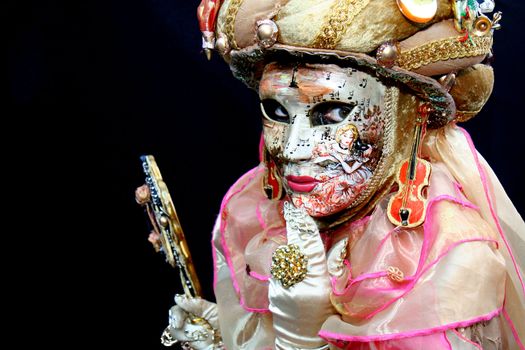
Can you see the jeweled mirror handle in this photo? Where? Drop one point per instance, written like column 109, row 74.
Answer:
column 166, row 226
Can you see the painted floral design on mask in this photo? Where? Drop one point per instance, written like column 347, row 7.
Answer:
column 323, row 125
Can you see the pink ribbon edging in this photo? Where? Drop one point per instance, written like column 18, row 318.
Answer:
column 489, row 201
column 420, row 332
column 251, row 175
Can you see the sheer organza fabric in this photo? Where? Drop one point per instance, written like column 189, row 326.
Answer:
column 462, row 283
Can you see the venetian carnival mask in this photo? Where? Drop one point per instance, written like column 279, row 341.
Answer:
column 338, row 125
column 323, row 126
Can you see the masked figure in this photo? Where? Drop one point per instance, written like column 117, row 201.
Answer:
column 371, row 222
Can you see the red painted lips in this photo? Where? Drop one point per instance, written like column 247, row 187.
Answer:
column 301, row 183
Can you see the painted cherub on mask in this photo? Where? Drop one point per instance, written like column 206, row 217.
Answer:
column 347, row 150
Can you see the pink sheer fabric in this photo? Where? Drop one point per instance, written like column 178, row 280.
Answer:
column 461, row 268
column 251, row 230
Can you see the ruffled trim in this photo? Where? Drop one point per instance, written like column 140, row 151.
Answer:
column 491, row 205
column 332, row 337
column 234, row 190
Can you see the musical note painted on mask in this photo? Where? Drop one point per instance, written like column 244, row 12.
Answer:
column 334, row 95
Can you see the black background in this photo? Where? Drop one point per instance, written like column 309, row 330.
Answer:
column 94, row 85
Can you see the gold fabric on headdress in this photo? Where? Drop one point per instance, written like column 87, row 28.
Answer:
column 342, row 12
column 443, row 50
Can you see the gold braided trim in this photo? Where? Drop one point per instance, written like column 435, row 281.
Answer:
column 341, row 13
column 229, row 25
column 442, row 50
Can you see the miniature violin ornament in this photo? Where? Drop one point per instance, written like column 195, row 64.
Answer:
column 408, row 206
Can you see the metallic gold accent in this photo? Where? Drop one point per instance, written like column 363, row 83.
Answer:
column 340, row 15
column 448, row 81
column 482, row 26
column 442, row 50
column 395, row 274
column 198, row 320
column 267, row 32
column 207, row 53
column 229, row 25
column 222, row 45
column 495, row 20
column 289, row 265
column 164, row 221
column 166, row 225
column 387, row 53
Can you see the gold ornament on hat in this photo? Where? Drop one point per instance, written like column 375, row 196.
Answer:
column 495, row 20
column 267, row 32
column 387, row 54
column 222, row 45
column 482, row 26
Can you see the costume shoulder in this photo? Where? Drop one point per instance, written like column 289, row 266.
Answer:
column 251, row 228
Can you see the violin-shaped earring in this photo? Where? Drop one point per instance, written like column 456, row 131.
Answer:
column 272, row 182
column 408, row 207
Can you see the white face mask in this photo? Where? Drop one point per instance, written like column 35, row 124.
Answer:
column 323, row 125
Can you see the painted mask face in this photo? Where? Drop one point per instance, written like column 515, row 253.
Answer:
column 323, row 126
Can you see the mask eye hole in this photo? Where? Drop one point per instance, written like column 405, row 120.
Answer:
column 273, row 110
column 330, row 113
